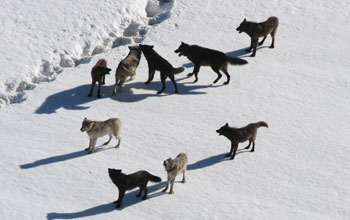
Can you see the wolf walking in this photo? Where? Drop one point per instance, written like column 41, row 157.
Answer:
column 98, row 73
column 96, row 129
column 128, row 182
column 201, row 56
column 256, row 30
column 238, row 135
column 156, row 62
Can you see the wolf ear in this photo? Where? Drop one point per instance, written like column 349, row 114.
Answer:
column 226, row 125
column 244, row 20
column 182, row 42
column 92, row 125
column 151, row 46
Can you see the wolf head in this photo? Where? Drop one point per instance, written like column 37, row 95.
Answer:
column 221, row 130
column 182, row 50
column 243, row 26
column 87, row 125
column 114, row 174
column 168, row 164
column 145, row 47
column 135, row 49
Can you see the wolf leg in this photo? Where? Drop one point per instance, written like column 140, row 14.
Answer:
column 252, row 150
column 139, row 194
column 163, row 78
column 110, row 138
column 145, row 190
column 150, row 75
column 92, row 147
column 251, row 46
column 217, row 72
column 90, row 142
column 263, row 40
column 227, row 74
column 229, row 154
column 92, row 88
column 119, row 140
column 167, row 185
column 247, row 147
column 234, row 151
column 120, row 198
column 195, row 72
column 99, row 90
column 255, row 44
column 183, row 177
column 172, row 78
column 172, row 186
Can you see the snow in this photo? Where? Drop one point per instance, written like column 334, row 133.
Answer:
column 301, row 165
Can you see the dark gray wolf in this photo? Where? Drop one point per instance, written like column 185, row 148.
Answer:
column 156, row 62
column 98, row 73
column 174, row 167
column 128, row 182
column 127, row 67
column 238, row 135
column 96, row 129
column 201, row 56
column 256, row 30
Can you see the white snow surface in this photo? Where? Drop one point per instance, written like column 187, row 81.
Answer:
column 301, row 165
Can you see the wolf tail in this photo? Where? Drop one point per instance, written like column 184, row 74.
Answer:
column 155, row 179
column 178, row 70
column 262, row 124
column 235, row 60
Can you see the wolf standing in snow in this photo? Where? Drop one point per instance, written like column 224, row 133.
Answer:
column 96, row 129
column 127, row 67
column 174, row 167
column 201, row 56
column 256, row 30
column 156, row 62
column 128, row 182
column 238, row 135
column 98, row 73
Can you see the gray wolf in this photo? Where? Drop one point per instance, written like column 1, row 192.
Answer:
column 201, row 56
column 127, row 67
column 96, row 129
column 128, row 182
column 256, row 30
column 98, row 73
column 174, row 167
column 238, row 135
column 156, row 62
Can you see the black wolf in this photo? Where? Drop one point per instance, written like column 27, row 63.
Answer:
column 238, row 135
column 128, row 182
column 156, row 62
column 256, row 30
column 201, row 56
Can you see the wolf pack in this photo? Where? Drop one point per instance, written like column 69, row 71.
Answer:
column 199, row 56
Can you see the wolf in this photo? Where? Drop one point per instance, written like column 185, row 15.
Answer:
column 256, row 30
column 238, row 135
column 201, row 56
column 127, row 67
column 98, row 73
column 128, row 182
column 156, row 62
column 174, row 167
column 96, row 129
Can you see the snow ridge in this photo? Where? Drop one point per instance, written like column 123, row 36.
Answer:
column 130, row 32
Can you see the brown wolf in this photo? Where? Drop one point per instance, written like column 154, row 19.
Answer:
column 156, row 62
column 128, row 182
column 201, row 56
column 98, row 73
column 127, row 67
column 256, row 30
column 238, row 135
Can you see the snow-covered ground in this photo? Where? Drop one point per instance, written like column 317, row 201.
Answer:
column 301, row 165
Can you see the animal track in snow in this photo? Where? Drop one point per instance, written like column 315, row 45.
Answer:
column 129, row 33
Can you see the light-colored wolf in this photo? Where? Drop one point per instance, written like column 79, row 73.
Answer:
column 174, row 167
column 96, row 129
column 127, row 67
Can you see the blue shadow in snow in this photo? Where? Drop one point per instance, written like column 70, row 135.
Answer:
column 129, row 200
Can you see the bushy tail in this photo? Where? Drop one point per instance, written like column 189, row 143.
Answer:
column 262, row 124
column 154, row 178
column 178, row 70
column 235, row 60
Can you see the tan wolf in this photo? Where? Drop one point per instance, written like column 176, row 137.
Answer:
column 156, row 62
column 201, row 56
column 174, row 167
column 96, row 129
column 256, row 30
column 238, row 135
column 98, row 73
column 127, row 67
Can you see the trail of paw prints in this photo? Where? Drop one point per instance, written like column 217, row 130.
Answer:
column 133, row 32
